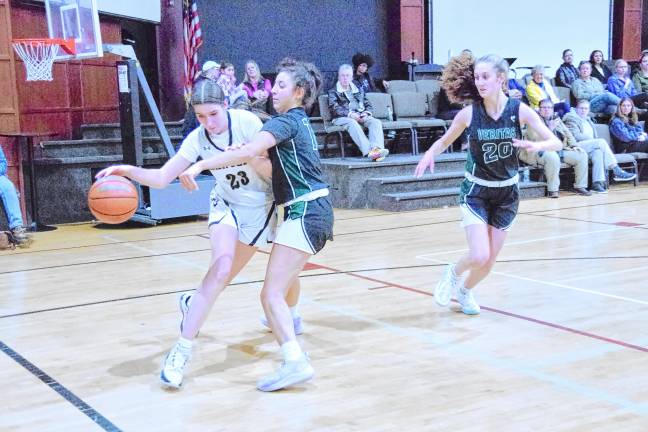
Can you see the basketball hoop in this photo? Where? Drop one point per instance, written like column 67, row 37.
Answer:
column 39, row 54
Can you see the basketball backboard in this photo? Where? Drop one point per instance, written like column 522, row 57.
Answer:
column 78, row 20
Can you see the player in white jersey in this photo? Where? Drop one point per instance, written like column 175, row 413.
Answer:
column 242, row 213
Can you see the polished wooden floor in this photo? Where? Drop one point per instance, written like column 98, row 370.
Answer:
column 88, row 313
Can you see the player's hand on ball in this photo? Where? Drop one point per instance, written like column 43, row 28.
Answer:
column 120, row 170
column 426, row 161
column 188, row 178
column 530, row 146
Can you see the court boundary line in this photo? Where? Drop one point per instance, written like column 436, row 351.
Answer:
column 557, row 326
column 529, row 370
column 510, row 314
column 59, row 388
column 532, row 213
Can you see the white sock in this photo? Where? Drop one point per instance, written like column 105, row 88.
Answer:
column 291, row 351
column 185, row 345
column 294, row 312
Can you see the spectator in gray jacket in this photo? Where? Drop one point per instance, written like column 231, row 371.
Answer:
column 351, row 109
column 591, row 89
column 582, row 127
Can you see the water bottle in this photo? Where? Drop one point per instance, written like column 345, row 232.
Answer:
column 526, row 175
column 390, row 113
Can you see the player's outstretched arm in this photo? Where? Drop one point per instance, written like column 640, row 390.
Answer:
column 258, row 146
column 261, row 164
column 459, row 123
column 155, row 178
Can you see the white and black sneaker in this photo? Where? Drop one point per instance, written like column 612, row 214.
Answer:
column 173, row 367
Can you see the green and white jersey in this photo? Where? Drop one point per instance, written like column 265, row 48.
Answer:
column 491, row 155
column 238, row 185
column 296, row 167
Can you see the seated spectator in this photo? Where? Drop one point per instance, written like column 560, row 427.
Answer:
column 567, row 72
column 539, row 88
column 640, row 77
column 621, row 85
column 361, row 77
column 351, row 110
column 600, row 71
column 582, row 127
column 550, row 161
column 364, row 81
column 235, row 95
column 210, row 70
column 11, row 206
column 258, row 90
column 591, row 89
column 627, row 133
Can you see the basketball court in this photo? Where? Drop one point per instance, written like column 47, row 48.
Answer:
column 89, row 313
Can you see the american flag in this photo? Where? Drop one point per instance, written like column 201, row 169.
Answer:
column 192, row 41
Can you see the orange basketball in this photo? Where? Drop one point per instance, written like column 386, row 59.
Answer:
column 113, row 199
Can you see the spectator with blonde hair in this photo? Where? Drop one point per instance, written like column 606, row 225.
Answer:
column 627, row 133
column 258, row 90
column 621, row 85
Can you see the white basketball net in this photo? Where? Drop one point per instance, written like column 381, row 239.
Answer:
column 38, row 57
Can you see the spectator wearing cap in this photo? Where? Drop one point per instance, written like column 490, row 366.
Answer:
column 210, row 70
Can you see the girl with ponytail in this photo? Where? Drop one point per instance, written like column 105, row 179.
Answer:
column 489, row 194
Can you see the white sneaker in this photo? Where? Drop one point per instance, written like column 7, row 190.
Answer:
column 297, row 323
column 173, row 367
column 446, row 286
column 289, row 374
column 467, row 301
